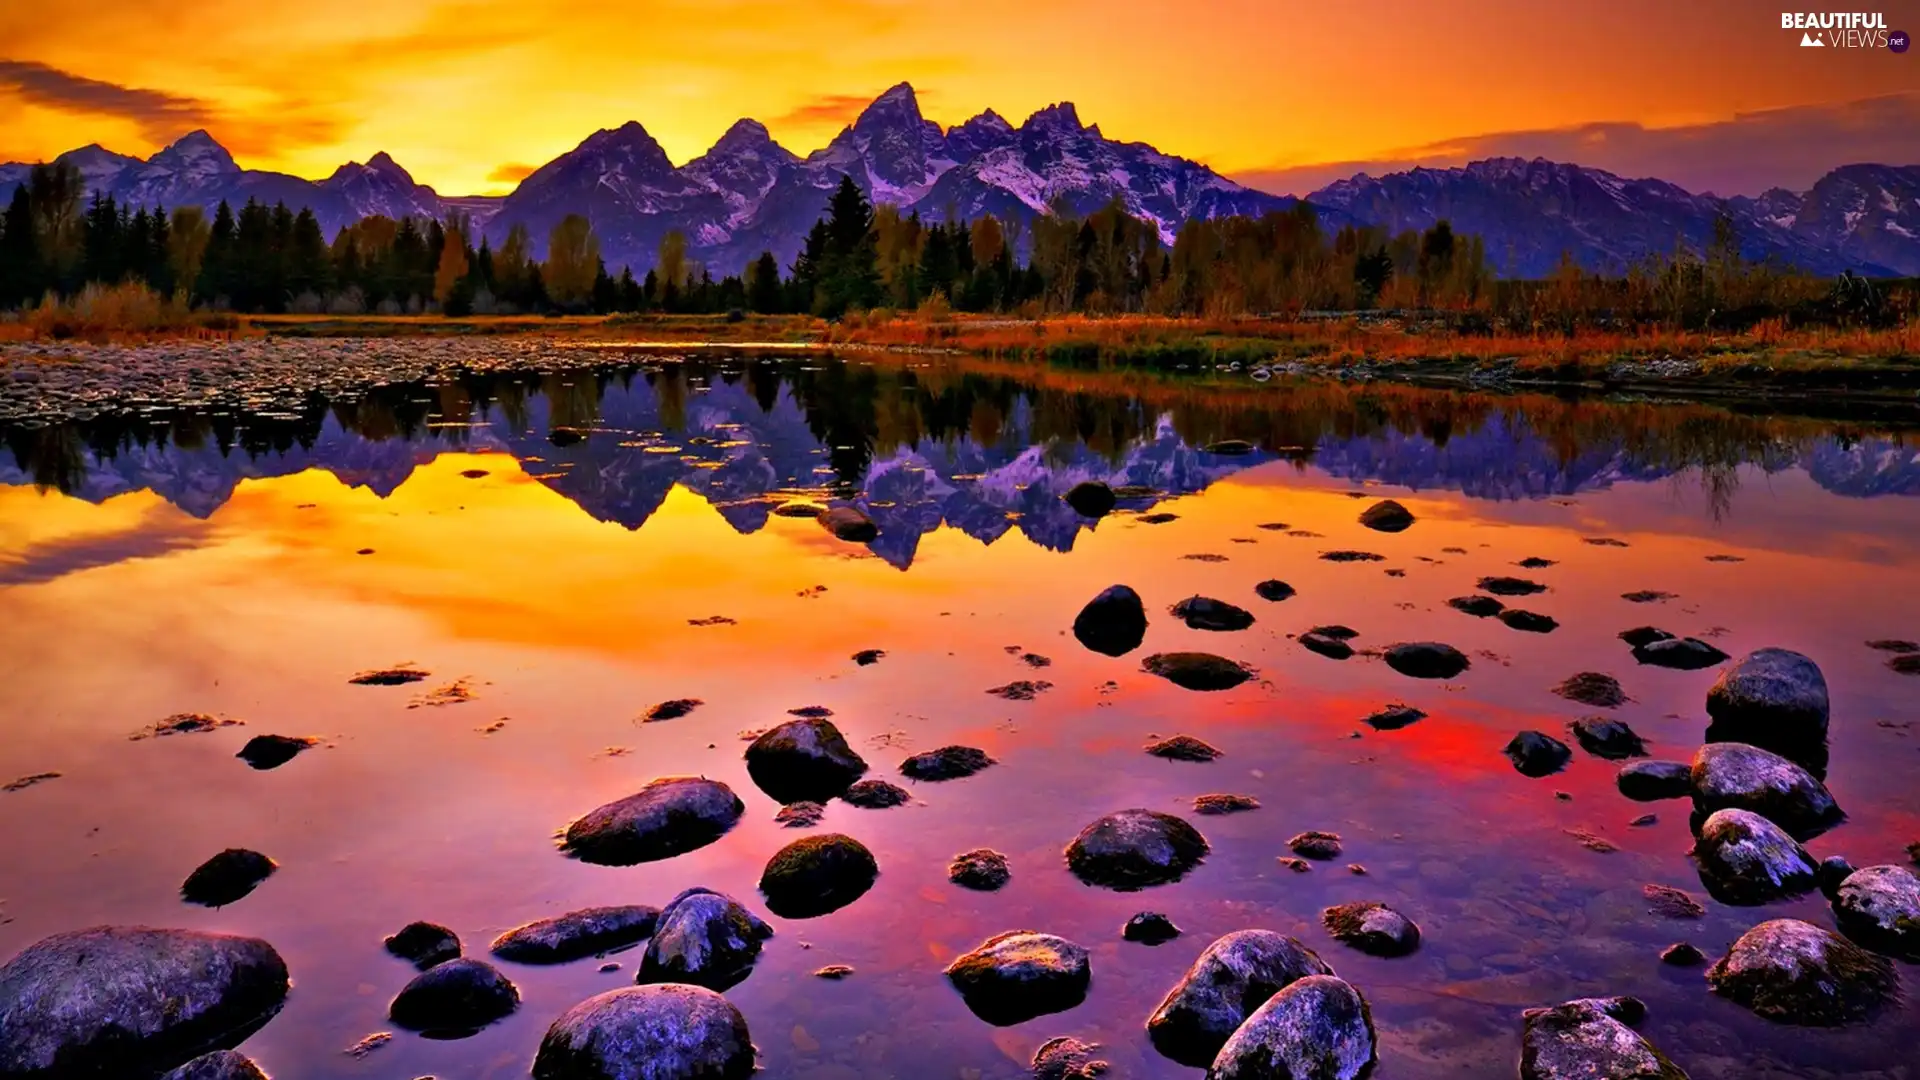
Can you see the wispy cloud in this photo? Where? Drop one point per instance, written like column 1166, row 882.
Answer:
column 825, row 109
column 160, row 532
column 511, row 173
column 1744, row 155
column 159, row 115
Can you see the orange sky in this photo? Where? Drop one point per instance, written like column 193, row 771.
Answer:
column 460, row 91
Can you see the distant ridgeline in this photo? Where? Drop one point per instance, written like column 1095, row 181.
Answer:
column 1047, row 216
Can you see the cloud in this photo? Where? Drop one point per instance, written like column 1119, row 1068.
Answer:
column 825, row 109
column 159, row 115
column 1788, row 147
column 511, row 173
column 160, row 532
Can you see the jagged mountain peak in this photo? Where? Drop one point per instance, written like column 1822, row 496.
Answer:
column 1061, row 118
column 196, row 149
column 746, row 137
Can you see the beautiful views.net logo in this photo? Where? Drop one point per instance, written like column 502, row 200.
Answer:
column 1844, row 30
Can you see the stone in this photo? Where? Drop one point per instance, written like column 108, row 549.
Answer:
column 833, row 972
column 424, row 944
column 1150, row 928
column 1274, row 590
column 1537, row 754
column 1395, row 717
column 1775, row 699
column 800, row 815
column 1067, row 1058
column 705, row 939
column 131, row 1001
column 1879, row 907
column 1510, row 586
column 1230, row 980
column 1641, row 636
column 1197, row 670
column 1794, row 972
column 1387, row 516
column 1220, row 804
column 1671, row 903
column 1314, row 844
column 876, row 795
column 1480, row 607
column 1113, row 623
column 869, row 657
column 1591, row 1039
column 1647, row 596
column 458, row 996
column 227, row 877
column 577, row 934
column 1593, row 688
column 272, row 751
column 1531, row 622
column 672, row 709
column 1014, row 977
column 1021, row 689
column 1206, row 613
column 1318, row 1027
column 1183, row 748
column 1352, row 556
column 1832, row 872
column 1134, row 849
column 219, row 1065
column 1746, row 859
column 669, row 816
column 1091, row 498
column 817, row 875
column 804, row 760
column 1651, row 781
column 1333, row 648
column 982, row 869
column 1682, row 954
column 849, row 523
column 946, row 763
column 1374, row 929
column 1681, row 654
column 669, row 1032
column 1605, row 737
column 1426, row 660
column 1737, row 776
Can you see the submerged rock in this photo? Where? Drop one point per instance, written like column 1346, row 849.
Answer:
column 705, row 939
column 227, row 877
column 1218, row 804
column 876, row 795
column 1387, row 516
column 1537, row 754
column 1593, row 688
column 1510, row 586
column 1067, row 1058
column 1650, row 781
column 850, row 524
column 456, row 997
column 946, row 763
column 800, row 815
column 1879, row 907
column 1531, row 622
column 1395, row 717
column 1314, row 844
column 1426, row 660
column 1197, row 670
column 219, row 1065
column 983, row 869
column 1150, row 928
column 1644, row 635
column 1206, row 613
column 1794, row 972
column 1113, row 623
column 131, row 1001
column 816, row 875
column 1591, row 1039
column 1605, row 737
column 1016, row 976
column 1331, row 646
column 577, row 934
column 1682, row 954
column 1741, row 777
column 672, row 709
column 1229, row 981
column 1183, row 748
column 1374, row 929
column 424, row 944
column 1774, row 699
column 648, row 1033
column 670, row 816
column 1480, row 607
column 1133, row 849
column 1273, row 590
column 1746, row 859
column 1091, row 498
column 1318, row 1027
column 1832, row 872
column 272, row 751
column 869, row 657
column 1681, row 654
column 804, row 760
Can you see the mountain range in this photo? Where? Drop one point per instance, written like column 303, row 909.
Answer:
column 748, row 194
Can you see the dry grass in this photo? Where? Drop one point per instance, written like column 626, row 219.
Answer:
column 117, row 314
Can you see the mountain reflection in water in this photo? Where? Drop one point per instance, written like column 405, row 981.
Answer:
column 918, row 449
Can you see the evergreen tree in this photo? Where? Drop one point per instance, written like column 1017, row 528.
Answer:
column 219, row 259
column 763, row 285
column 606, row 293
column 20, row 273
column 850, row 276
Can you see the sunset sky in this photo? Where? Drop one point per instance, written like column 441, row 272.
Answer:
column 1281, row 93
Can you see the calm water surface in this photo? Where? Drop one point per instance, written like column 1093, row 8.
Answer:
column 550, row 543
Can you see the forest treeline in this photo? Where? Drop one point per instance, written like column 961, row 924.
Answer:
column 55, row 242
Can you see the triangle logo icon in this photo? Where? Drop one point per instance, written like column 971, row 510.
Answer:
column 1808, row 41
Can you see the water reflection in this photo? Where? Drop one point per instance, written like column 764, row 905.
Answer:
column 919, row 448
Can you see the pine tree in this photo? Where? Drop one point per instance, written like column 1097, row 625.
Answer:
column 20, row 274
column 850, row 276
column 218, row 263
column 763, row 285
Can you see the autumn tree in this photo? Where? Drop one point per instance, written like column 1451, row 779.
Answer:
column 573, row 260
column 452, row 268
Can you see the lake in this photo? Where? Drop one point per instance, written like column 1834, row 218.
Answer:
column 563, row 552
